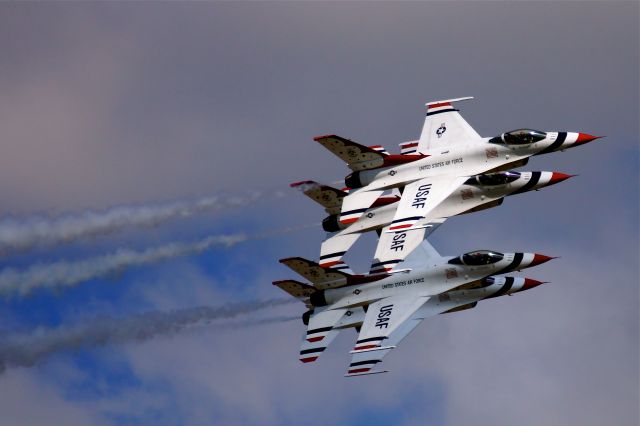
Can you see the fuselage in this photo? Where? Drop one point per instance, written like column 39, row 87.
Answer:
column 480, row 191
column 432, row 278
column 463, row 160
column 454, row 300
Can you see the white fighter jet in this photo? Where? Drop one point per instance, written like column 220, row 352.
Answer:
column 384, row 308
column 448, row 152
column 476, row 193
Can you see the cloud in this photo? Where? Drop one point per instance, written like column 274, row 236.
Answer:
column 25, row 350
column 27, row 232
column 125, row 104
column 64, row 274
column 32, row 401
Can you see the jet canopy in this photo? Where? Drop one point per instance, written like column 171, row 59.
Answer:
column 478, row 258
column 520, row 137
column 493, row 179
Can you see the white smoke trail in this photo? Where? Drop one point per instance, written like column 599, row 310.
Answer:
column 65, row 274
column 27, row 233
column 70, row 273
column 27, row 349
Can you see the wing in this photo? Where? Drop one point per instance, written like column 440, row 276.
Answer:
column 420, row 198
column 394, row 247
column 363, row 361
column 412, row 222
column 444, row 126
column 357, row 157
column 382, row 320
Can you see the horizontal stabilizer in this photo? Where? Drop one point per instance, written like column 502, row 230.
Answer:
column 357, row 157
column 296, row 289
column 319, row 276
column 328, row 197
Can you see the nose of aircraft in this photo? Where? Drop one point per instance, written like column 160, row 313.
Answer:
column 531, row 283
column 575, row 139
column 584, row 138
column 540, row 258
column 558, row 177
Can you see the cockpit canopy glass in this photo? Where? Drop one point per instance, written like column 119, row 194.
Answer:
column 523, row 136
column 500, row 178
column 481, row 257
column 486, row 282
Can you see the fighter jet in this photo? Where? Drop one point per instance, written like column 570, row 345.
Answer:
column 448, row 152
column 391, row 305
column 477, row 193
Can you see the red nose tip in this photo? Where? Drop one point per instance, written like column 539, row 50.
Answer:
column 540, row 258
column 584, row 138
column 529, row 283
column 558, row 177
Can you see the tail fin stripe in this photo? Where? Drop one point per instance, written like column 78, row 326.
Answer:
column 442, row 111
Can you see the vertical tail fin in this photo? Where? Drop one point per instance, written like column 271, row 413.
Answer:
column 444, row 126
column 410, row 147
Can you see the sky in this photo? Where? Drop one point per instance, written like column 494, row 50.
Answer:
column 185, row 123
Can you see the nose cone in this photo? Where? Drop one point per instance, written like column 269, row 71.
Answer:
column 584, row 138
column 530, row 283
column 540, row 258
column 557, row 177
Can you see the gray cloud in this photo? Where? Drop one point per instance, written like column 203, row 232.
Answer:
column 130, row 103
